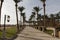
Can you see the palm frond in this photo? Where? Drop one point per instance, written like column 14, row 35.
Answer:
column 21, row 8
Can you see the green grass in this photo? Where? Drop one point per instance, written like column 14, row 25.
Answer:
column 0, row 34
column 10, row 32
column 49, row 31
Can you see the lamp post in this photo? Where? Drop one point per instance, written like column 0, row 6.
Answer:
column 8, row 19
column 1, row 1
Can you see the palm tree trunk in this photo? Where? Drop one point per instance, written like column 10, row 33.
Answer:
column 0, row 13
column 37, row 17
column 17, row 18
column 44, row 17
column 58, row 20
column 37, row 20
column 23, row 19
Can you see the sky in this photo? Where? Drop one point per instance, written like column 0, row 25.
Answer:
column 8, row 8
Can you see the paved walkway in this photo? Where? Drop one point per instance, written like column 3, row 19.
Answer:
column 30, row 33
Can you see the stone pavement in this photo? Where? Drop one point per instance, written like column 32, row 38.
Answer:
column 30, row 33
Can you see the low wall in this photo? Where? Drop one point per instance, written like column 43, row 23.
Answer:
column 50, row 28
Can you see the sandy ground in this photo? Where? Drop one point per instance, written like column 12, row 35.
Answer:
column 30, row 33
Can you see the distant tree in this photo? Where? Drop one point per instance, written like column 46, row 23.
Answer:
column 52, row 18
column 39, row 19
column 31, row 18
column 57, row 17
column 37, row 9
column 24, row 17
column 33, row 13
column 46, row 18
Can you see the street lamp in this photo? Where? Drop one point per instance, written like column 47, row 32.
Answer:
column 6, row 17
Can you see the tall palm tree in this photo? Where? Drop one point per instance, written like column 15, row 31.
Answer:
column 33, row 14
column 42, row 17
column 23, row 18
column 46, row 19
column 16, row 1
column 39, row 17
column 31, row 18
column 21, row 14
column 43, row 1
column 1, row 2
column 37, row 9
column 0, row 10
column 21, row 9
column 39, row 21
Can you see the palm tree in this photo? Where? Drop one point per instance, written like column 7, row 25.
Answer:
column 21, row 9
column 31, row 18
column 39, row 17
column 1, row 2
column 21, row 14
column 57, row 17
column 16, row 1
column 0, row 10
column 39, row 21
column 42, row 17
column 33, row 14
column 43, row 1
column 46, row 20
column 23, row 18
column 37, row 9
column 52, row 19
